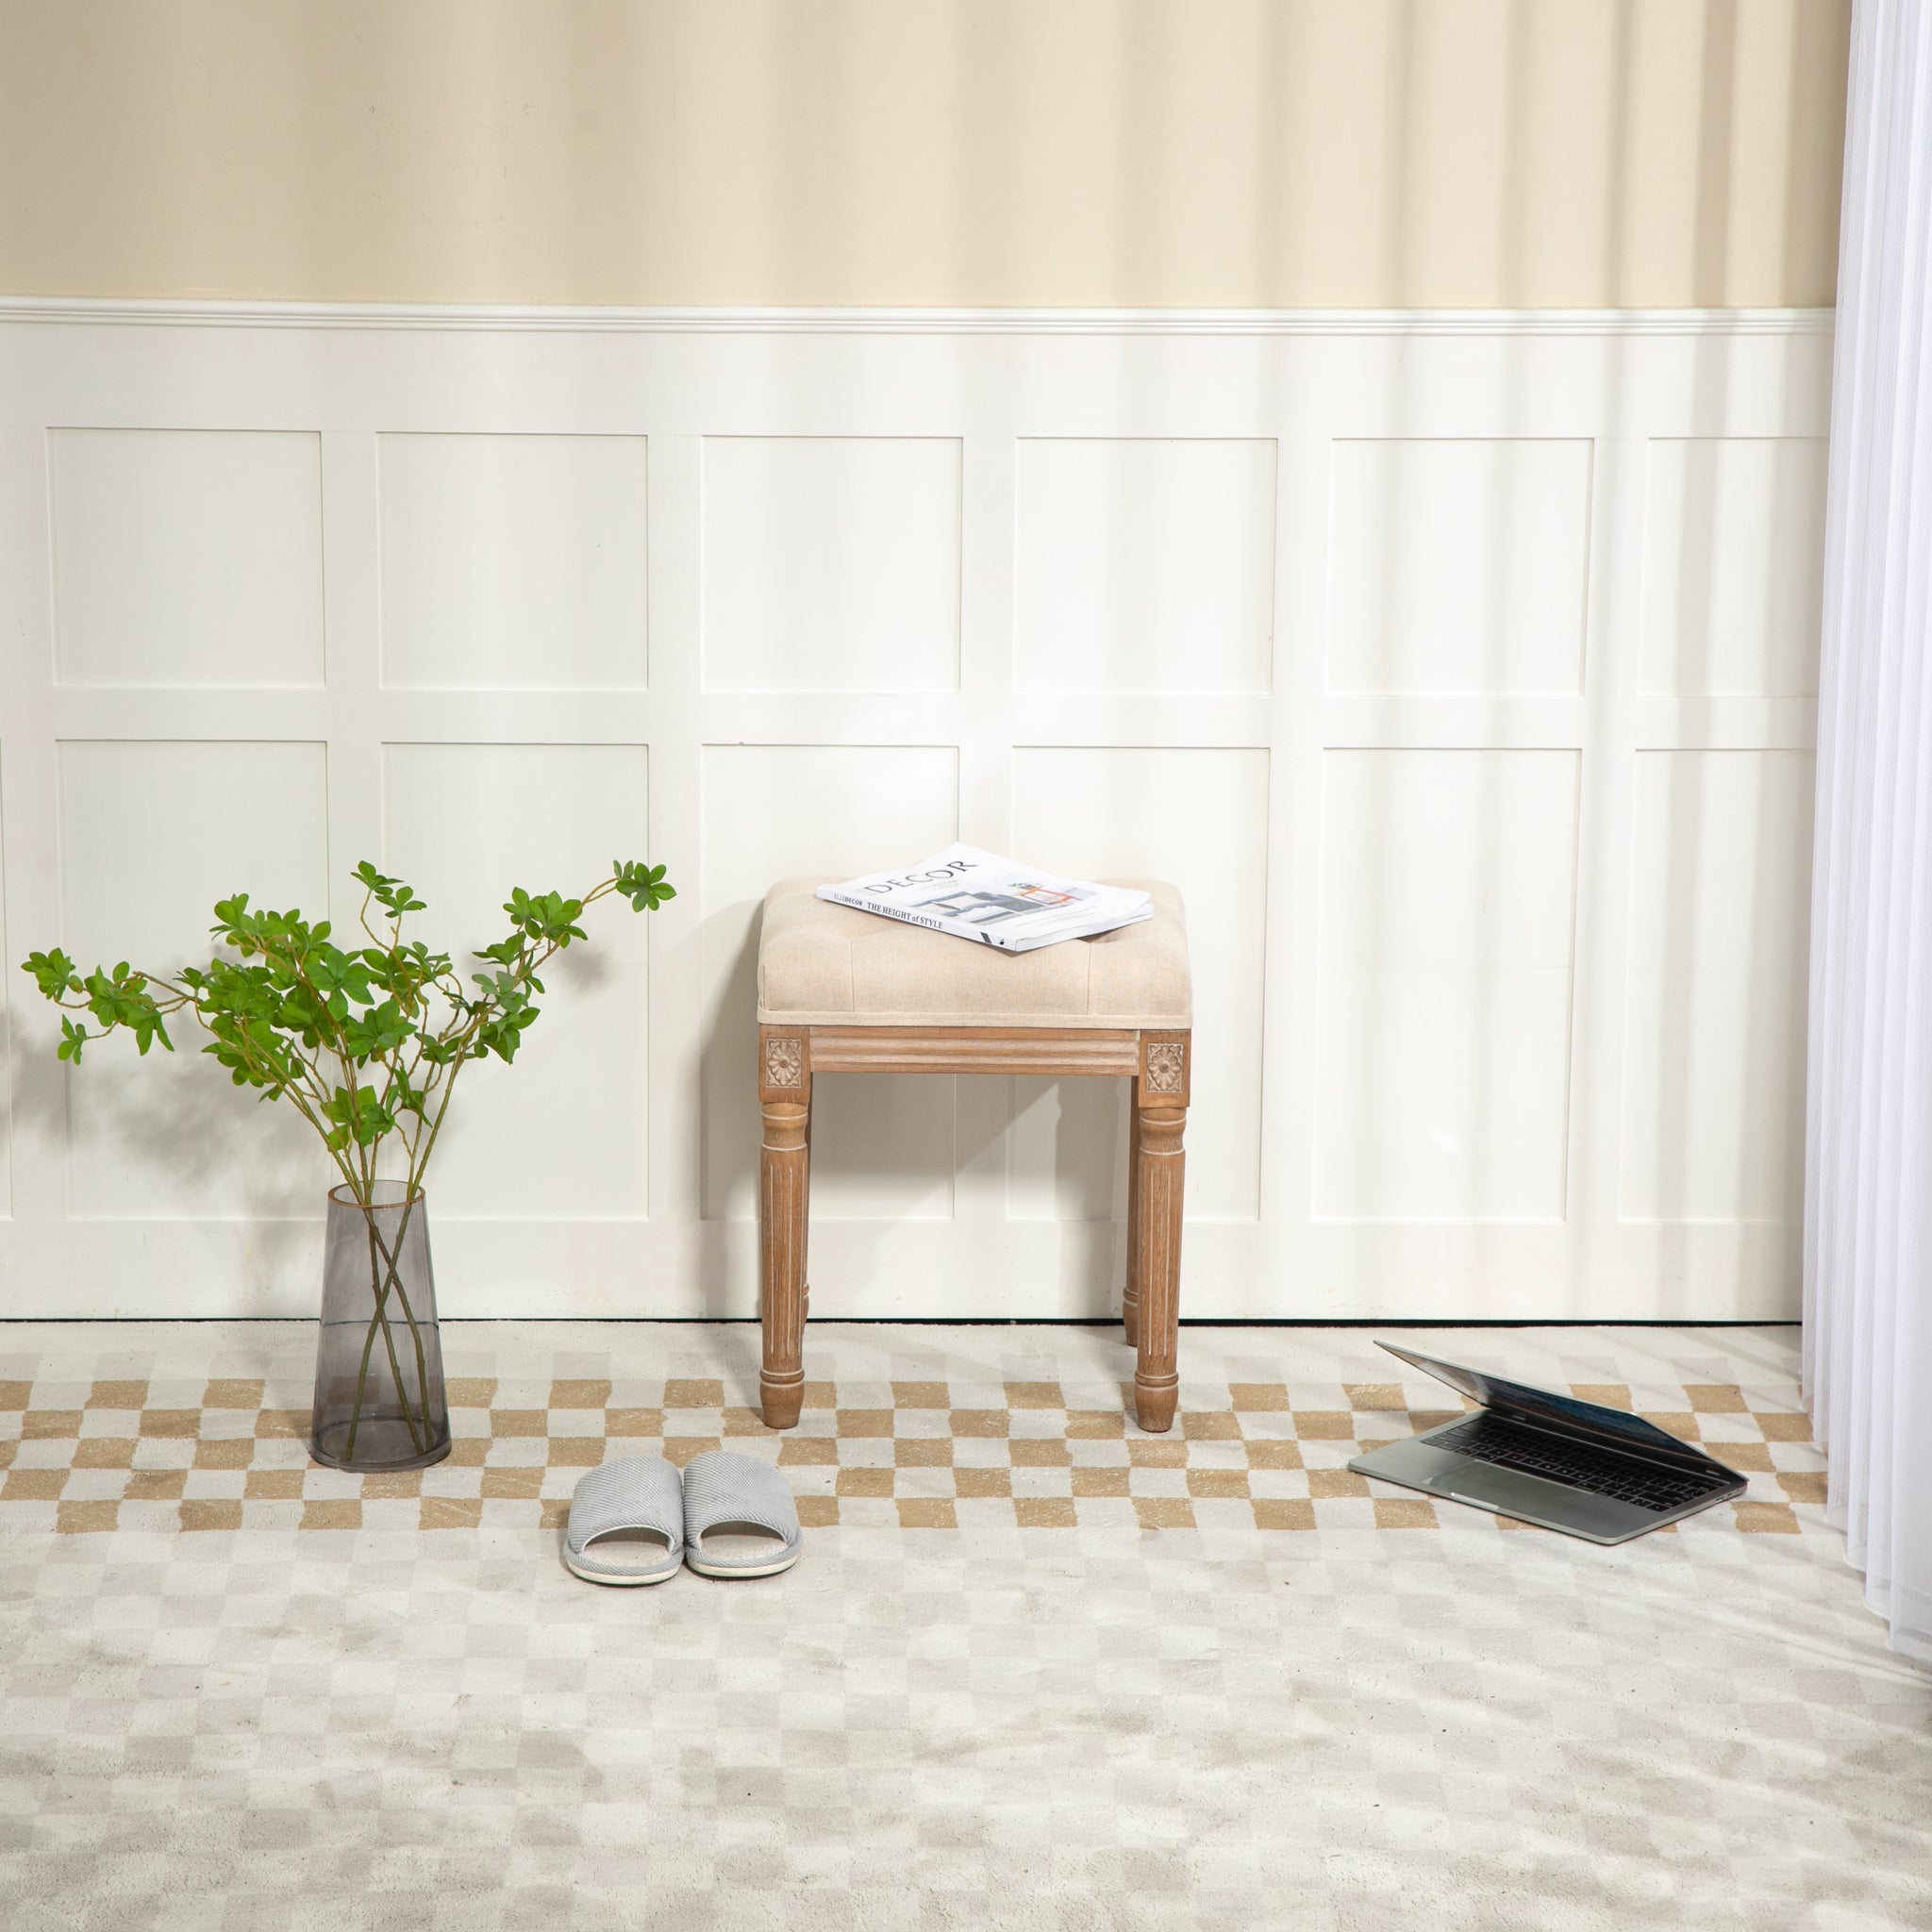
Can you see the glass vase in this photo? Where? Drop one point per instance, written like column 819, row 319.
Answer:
column 379, row 1399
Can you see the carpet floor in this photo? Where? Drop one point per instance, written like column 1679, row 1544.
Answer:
column 1036, row 1667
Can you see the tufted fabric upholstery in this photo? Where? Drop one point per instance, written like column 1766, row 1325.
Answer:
column 821, row 965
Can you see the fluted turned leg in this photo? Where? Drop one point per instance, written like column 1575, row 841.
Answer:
column 804, row 1227
column 783, row 1195
column 1130, row 1295
column 1158, row 1166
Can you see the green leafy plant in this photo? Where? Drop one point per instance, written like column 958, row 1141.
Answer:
column 365, row 1041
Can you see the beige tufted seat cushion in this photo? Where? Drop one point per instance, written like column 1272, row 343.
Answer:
column 821, row 965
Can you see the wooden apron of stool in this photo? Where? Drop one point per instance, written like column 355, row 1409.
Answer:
column 1156, row 1062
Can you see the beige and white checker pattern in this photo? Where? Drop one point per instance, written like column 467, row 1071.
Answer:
column 1383, row 1716
column 95, row 1454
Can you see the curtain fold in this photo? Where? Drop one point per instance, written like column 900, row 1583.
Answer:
column 1867, row 1206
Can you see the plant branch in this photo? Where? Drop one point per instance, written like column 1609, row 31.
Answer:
column 365, row 1045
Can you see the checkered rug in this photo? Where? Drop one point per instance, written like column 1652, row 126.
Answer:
column 1036, row 1671
column 87, row 1454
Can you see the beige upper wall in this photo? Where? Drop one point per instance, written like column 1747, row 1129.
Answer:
column 981, row 153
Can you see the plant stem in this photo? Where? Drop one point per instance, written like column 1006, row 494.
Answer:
column 395, row 1280
column 377, row 1320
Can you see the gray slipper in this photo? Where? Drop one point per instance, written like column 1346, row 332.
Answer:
column 738, row 1516
column 626, row 1522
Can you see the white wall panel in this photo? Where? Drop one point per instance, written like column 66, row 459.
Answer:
column 152, row 835
column 464, row 824
column 1456, row 668
column 882, row 1145
column 1459, row 566
column 831, row 563
column 187, row 556
column 513, row 562
column 1145, row 566
column 1111, row 813
column 1734, row 557
column 10, row 1031
column 1448, row 885
column 1721, row 883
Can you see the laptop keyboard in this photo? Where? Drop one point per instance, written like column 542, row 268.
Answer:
column 1489, row 1439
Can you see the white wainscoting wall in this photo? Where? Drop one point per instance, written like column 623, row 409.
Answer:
column 1458, row 668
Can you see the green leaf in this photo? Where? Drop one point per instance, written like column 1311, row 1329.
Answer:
column 644, row 884
column 53, row 973
column 392, row 894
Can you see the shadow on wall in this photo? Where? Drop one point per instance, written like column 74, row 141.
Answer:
column 979, row 153
column 893, row 1148
column 1569, row 983
column 169, row 1138
column 1660, row 1085
column 1560, row 966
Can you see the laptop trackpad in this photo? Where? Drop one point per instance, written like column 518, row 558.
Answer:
column 1509, row 1492
column 1507, row 1489
column 1506, row 1492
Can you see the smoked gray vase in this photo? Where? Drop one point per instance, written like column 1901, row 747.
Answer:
column 379, row 1399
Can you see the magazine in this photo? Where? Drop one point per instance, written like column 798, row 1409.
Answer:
column 998, row 902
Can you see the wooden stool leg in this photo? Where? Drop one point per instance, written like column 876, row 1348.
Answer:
column 1130, row 1295
column 783, row 1200
column 1159, row 1165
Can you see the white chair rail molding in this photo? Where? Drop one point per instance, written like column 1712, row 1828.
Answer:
column 1458, row 669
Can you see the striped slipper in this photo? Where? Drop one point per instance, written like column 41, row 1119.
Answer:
column 626, row 1522
column 738, row 1516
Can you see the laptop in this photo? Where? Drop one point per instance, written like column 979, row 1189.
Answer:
column 1577, row 1467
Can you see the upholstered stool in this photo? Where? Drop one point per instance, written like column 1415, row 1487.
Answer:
column 841, row 991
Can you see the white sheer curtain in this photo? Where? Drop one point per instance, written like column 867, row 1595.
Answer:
column 1868, row 1210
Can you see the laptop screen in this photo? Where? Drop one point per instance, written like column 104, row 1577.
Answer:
column 1493, row 1392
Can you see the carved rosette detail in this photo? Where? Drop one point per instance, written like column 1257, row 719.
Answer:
column 1167, row 1066
column 784, row 1063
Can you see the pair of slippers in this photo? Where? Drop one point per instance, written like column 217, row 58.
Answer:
column 638, row 1521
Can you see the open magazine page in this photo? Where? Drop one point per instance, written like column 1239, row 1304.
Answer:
column 998, row 902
